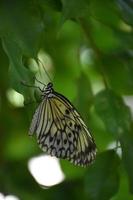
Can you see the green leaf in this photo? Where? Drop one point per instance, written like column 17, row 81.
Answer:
column 127, row 155
column 102, row 178
column 92, row 8
column 123, row 192
column 55, row 4
column 104, row 37
column 118, row 71
column 84, row 99
column 101, row 37
column 113, row 112
column 20, row 141
column 117, row 119
column 18, row 73
column 22, row 22
column 72, row 172
column 97, row 128
column 100, row 9
column 74, row 8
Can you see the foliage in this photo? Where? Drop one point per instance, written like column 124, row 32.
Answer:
column 89, row 43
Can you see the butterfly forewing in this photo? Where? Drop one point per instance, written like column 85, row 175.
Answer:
column 85, row 146
column 61, row 132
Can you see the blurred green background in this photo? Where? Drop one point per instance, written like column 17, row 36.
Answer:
column 86, row 47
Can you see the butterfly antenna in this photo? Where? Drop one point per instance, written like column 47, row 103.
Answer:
column 44, row 69
column 40, row 82
column 33, row 86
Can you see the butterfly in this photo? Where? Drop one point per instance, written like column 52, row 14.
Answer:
column 60, row 130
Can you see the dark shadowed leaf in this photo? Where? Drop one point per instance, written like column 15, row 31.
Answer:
column 84, row 99
column 123, row 192
column 100, row 9
column 118, row 70
column 102, row 178
column 127, row 155
column 22, row 22
column 75, row 9
column 55, row 4
column 113, row 112
column 117, row 119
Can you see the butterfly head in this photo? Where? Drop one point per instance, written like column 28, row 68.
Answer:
column 48, row 89
column 49, row 85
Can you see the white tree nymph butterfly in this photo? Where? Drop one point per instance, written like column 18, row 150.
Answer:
column 60, row 130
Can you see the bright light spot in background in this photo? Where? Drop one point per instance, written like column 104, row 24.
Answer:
column 46, row 170
column 45, row 59
column 113, row 145
column 87, row 61
column 15, row 98
column 8, row 197
column 11, row 197
column 125, row 27
column 86, row 57
column 1, row 196
column 42, row 68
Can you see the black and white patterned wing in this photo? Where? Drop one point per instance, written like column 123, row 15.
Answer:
column 82, row 147
column 61, row 132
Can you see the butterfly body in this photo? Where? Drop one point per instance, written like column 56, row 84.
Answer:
column 60, row 130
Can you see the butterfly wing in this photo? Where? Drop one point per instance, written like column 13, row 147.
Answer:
column 61, row 132
column 85, row 149
column 37, row 119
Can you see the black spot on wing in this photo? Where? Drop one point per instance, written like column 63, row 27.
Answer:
column 58, row 141
column 51, row 139
column 69, row 134
column 67, row 112
column 65, row 141
column 70, row 124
